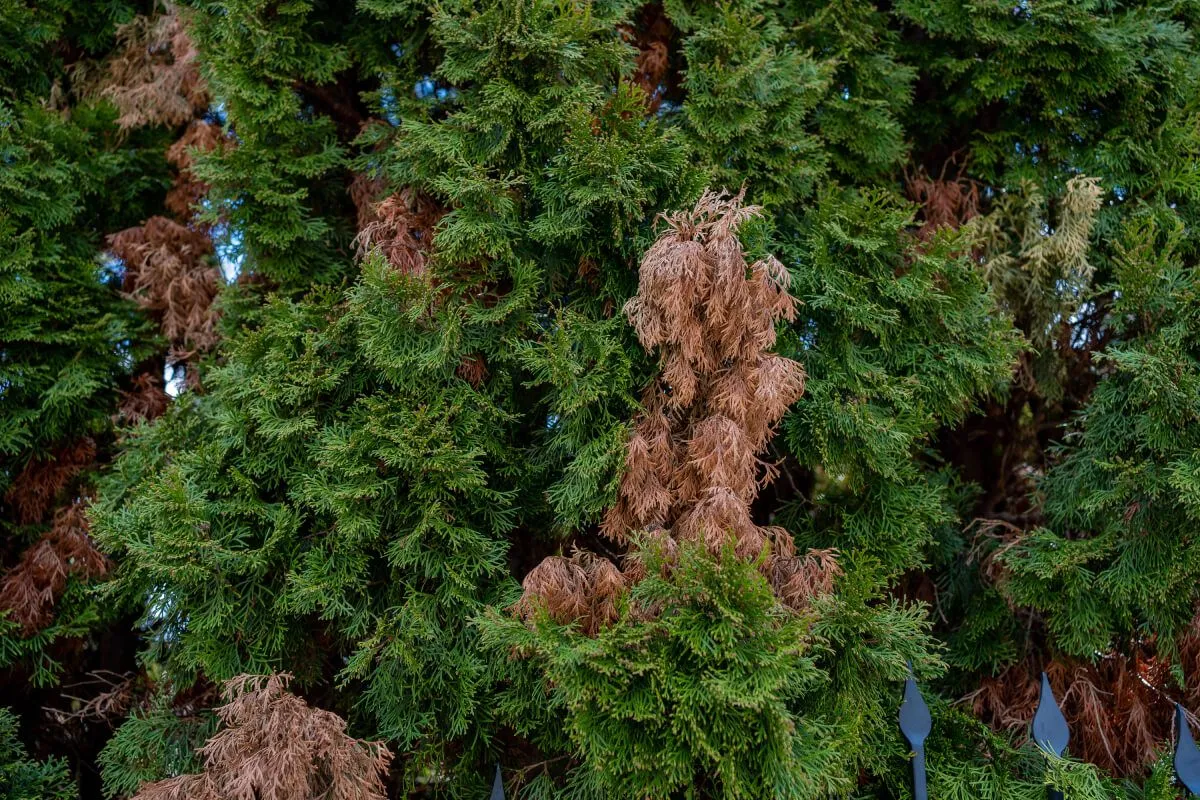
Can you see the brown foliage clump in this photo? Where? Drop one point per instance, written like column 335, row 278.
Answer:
column 692, row 463
column 582, row 588
column 365, row 192
column 652, row 36
column 168, row 272
column 273, row 746
column 472, row 368
column 33, row 492
column 155, row 78
column 145, row 401
column 29, row 591
column 399, row 227
column 1119, row 708
column 692, row 468
column 945, row 202
column 202, row 137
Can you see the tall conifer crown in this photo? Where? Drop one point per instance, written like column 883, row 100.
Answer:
column 624, row 394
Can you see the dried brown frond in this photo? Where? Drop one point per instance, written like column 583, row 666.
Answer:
column 652, row 35
column 145, row 401
column 154, row 79
column 711, row 316
column 473, row 369
column 365, row 192
column 1119, row 708
column 187, row 190
column 400, row 228
column 36, row 488
column 116, row 696
column 201, row 136
column 558, row 585
column 799, row 580
column 583, row 588
column 30, row 590
column 945, row 202
column 274, row 746
column 693, row 466
column 990, row 539
column 168, row 271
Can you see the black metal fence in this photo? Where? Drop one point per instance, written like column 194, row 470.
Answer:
column 1050, row 733
column 1049, row 729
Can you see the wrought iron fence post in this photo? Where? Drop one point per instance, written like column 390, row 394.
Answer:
column 915, row 724
column 1050, row 730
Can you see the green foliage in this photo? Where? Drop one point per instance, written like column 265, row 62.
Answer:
column 750, row 97
column 586, row 376
column 30, row 65
column 688, row 691
column 69, row 339
column 22, row 778
column 870, row 88
column 324, row 493
column 1116, row 557
column 897, row 339
column 279, row 186
column 76, row 336
column 1047, row 86
column 707, row 686
column 152, row 743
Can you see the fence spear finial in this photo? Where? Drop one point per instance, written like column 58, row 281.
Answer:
column 497, row 786
column 1187, row 757
column 1050, row 730
column 915, row 724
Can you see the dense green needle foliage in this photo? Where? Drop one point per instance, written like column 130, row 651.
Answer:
column 411, row 426
column 22, row 778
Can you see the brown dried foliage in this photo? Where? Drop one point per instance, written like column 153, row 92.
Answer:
column 273, row 746
column 692, row 468
column 652, row 37
column 31, row 589
column 582, row 588
column 200, row 137
column 1119, row 709
column 399, row 227
column 693, row 455
column 365, row 192
column 154, row 79
column 145, row 401
column 168, row 272
column 945, row 202
column 33, row 492
column 106, row 696
column 473, row 369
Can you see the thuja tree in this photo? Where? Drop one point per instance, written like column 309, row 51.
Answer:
column 623, row 393
column 91, row 102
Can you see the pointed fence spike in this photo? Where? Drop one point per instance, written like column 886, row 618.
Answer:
column 915, row 720
column 1050, row 730
column 497, row 786
column 1187, row 756
column 915, row 724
